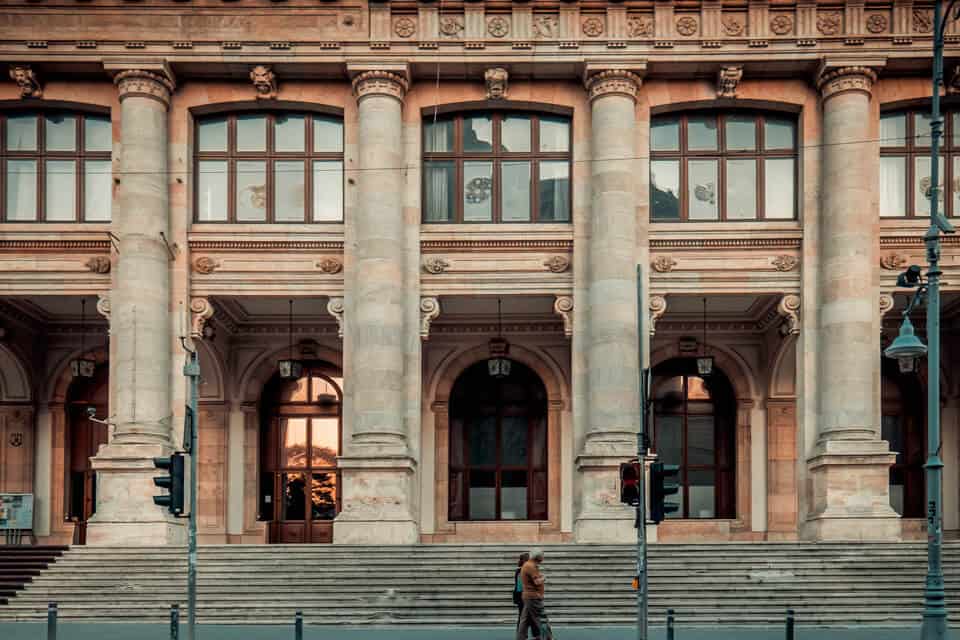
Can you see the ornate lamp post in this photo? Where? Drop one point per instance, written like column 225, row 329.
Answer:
column 908, row 346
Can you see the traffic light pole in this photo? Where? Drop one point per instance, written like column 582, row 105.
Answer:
column 191, row 369
column 641, row 521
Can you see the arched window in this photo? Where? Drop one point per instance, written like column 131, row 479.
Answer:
column 56, row 166
column 905, row 164
column 730, row 166
column 301, row 441
column 496, row 167
column 902, row 426
column 694, row 427
column 498, row 446
column 284, row 167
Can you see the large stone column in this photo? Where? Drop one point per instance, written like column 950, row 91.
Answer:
column 849, row 467
column 378, row 469
column 140, row 324
column 611, row 333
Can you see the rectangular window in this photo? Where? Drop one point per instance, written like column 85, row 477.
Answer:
column 60, row 132
column 554, row 191
column 327, row 135
column 289, row 191
column 478, row 134
column 665, row 190
column 515, row 191
column 702, row 189
column 22, row 133
column 554, row 135
column 212, row 135
column 97, row 134
column 483, row 495
column 438, row 136
column 98, row 190
column 779, row 191
column 289, row 133
column 212, row 191
column 515, row 134
column 21, row 187
column 922, row 184
column 251, row 192
column 741, row 133
column 702, row 133
column 893, row 186
column 741, row 189
column 327, row 191
column 251, row 133
column 893, row 130
column 439, row 188
column 779, row 133
column 60, row 197
column 477, row 191
column 665, row 134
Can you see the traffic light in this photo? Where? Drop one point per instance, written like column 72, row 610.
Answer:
column 630, row 483
column 660, row 488
column 174, row 482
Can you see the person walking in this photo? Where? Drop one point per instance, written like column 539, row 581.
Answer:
column 534, row 615
column 518, row 590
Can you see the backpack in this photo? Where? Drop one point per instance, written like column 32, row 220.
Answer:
column 517, row 589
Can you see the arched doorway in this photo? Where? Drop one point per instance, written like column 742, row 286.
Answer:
column 694, row 427
column 902, row 425
column 84, row 438
column 498, row 446
column 300, row 441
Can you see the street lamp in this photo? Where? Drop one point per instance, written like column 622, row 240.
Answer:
column 934, row 599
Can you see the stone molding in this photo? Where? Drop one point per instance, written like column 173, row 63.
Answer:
column 144, row 84
column 612, row 82
column 378, row 82
column 27, row 80
column 200, row 311
column 663, row 264
column 658, row 307
column 563, row 307
column 266, row 245
column 205, row 265
column 54, row 245
column 335, row 308
column 330, row 265
column 98, row 264
column 789, row 308
column 557, row 264
column 725, row 243
column 728, row 78
column 496, row 79
column 843, row 79
column 103, row 304
column 484, row 245
column 429, row 311
column 264, row 82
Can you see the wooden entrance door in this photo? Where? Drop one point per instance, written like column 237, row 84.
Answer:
column 302, row 443
column 84, row 438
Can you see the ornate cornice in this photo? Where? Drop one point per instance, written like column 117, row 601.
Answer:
column 381, row 83
column 917, row 240
column 55, row 245
column 144, row 84
column 612, row 82
column 267, row 245
column 485, row 245
column 843, row 79
column 726, row 243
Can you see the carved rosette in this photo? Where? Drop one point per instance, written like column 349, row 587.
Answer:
column 429, row 310
column 894, row 261
column 663, row 264
column 557, row 264
column 785, row 262
column 563, row 307
column 138, row 83
column 496, row 80
column 380, row 83
column 98, row 264
column 843, row 79
column 435, row 265
column 335, row 308
column 27, row 80
column 330, row 266
column 789, row 308
column 200, row 311
column 612, row 82
column 658, row 307
column 205, row 265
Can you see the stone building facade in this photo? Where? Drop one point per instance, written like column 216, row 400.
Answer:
column 393, row 194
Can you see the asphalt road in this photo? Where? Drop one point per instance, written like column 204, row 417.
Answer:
column 77, row 631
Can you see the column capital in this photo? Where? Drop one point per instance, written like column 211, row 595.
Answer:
column 383, row 82
column 839, row 77
column 600, row 82
column 144, row 84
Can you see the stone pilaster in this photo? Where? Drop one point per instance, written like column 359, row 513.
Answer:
column 378, row 468
column 849, row 466
column 140, row 323
column 610, row 340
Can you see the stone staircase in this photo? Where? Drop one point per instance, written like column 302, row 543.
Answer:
column 20, row 564
column 742, row 584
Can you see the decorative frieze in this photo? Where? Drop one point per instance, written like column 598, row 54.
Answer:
column 264, row 82
column 429, row 311
column 496, row 80
column 27, row 80
column 144, row 84
column 498, row 26
column 829, row 23
column 563, row 307
column 380, row 82
column 842, row 79
column 612, row 82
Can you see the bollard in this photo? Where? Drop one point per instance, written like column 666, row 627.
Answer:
column 669, row 624
column 790, row 621
column 298, row 626
column 174, row 622
column 52, row 621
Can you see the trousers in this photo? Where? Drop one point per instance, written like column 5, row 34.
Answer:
column 533, row 617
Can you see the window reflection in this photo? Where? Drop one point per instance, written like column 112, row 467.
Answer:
column 325, row 441
column 294, row 442
column 323, row 496
column 294, row 496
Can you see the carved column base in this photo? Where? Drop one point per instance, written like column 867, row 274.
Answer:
column 602, row 518
column 850, row 484
column 377, row 501
column 126, row 515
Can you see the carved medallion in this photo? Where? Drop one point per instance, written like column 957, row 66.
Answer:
column 876, row 23
column 496, row 81
column 732, row 25
column 687, row 26
column 557, row 264
column 592, row 27
column 451, row 25
column 663, row 264
column 498, row 26
column 781, row 24
column 922, row 20
column 435, row 265
column 27, row 81
column 16, row 439
column 98, row 264
column 785, row 262
column 405, row 26
column 546, row 26
column 639, row 26
column 829, row 23
column 330, row 265
column 205, row 265
column 894, row 261
column 264, row 81
column 727, row 81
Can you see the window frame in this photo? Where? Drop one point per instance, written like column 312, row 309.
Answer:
column 80, row 156
column 496, row 157
column 268, row 157
column 683, row 155
column 949, row 154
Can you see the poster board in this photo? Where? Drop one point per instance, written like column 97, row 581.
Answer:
column 16, row 511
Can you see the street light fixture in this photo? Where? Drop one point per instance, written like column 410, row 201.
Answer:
column 907, row 348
